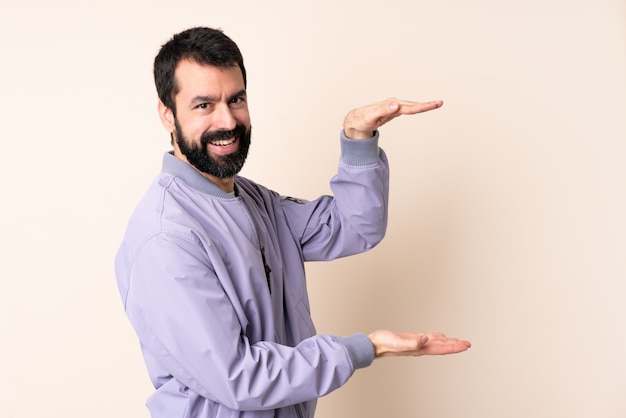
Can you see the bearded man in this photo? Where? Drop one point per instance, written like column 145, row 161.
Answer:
column 211, row 268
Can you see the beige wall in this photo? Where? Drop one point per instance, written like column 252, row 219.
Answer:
column 507, row 210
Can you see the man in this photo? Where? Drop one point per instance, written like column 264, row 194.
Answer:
column 211, row 269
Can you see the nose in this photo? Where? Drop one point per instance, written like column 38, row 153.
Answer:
column 223, row 118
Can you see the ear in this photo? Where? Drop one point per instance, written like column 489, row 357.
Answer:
column 167, row 117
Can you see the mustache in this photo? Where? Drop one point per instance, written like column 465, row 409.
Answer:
column 237, row 132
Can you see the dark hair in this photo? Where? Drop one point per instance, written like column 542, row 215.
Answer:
column 203, row 45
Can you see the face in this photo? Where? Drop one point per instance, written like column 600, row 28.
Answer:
column 211, row 127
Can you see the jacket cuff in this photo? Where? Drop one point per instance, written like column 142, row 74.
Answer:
column 360, row 350
column 359, row 151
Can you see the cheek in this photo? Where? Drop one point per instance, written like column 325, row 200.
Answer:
column 193, row 129
column 242, row 116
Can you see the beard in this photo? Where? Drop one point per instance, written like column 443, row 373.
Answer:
column 220, row 166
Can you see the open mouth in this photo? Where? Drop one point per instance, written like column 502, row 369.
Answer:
column 223, row 142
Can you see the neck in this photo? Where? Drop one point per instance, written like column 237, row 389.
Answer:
column 227, row 184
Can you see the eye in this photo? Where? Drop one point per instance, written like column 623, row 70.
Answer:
column 237, row 101
column 203, row 106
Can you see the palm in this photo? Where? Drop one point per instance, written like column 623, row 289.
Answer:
column 388, row 343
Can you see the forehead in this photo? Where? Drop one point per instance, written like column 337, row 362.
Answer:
column 194, row 79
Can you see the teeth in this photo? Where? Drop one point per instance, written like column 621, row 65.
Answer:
column 223, row 142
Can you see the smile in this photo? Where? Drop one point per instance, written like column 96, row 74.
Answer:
column 223, row 142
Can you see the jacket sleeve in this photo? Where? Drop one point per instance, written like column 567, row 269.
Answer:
column 184, row 317
column 354, row 219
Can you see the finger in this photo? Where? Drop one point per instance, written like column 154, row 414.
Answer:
column 445, row 346
column 412, row 108
column 392, row 108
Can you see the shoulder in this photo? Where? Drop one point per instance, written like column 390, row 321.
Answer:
column 168, row 207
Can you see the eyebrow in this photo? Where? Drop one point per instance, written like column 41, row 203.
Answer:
column 213, row 99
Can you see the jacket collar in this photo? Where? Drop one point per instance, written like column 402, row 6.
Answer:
column 190, row 176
